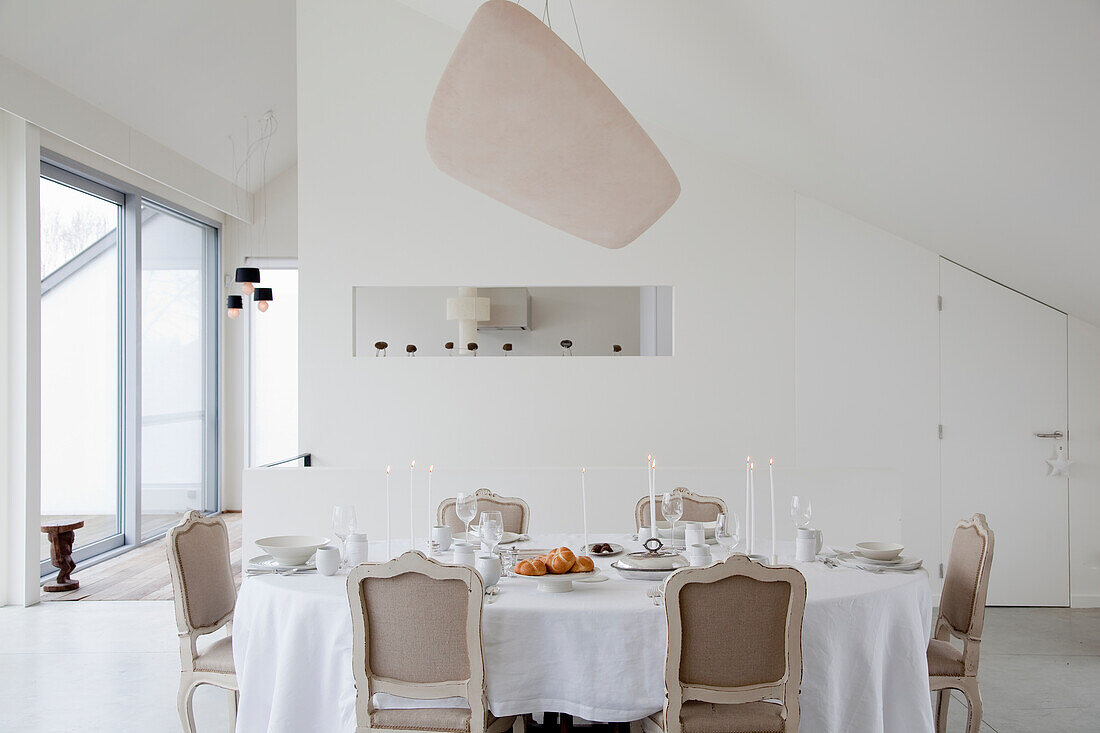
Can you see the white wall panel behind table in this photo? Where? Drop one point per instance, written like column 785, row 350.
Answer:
column 867, row 361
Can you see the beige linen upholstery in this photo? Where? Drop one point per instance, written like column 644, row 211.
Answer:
column 514, row 511
column 962, row 615
column 697, row 508
column 204, row 594
column 416, row 633
column 734, row 645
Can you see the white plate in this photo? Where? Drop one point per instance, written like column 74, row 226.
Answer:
column 863, row 558
column 551, row 583
column 267, row 562
column 507, row 539
column 615, row 550
column 907, row 563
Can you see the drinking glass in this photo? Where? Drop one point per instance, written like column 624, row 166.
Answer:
column 466, row 509
column 343, row 524
column 672, row 507
column 728, row 532
column 492, row 530
column 801, row 511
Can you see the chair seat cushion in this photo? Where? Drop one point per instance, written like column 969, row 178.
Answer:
column 706, row 717
column 944, row 660
column 218, row 657
column 446, row 720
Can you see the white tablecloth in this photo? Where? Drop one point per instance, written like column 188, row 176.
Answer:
column 596, row 653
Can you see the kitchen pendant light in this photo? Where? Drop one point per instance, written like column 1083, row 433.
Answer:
column 235, row 304
column 263, row 298
column 247, row 277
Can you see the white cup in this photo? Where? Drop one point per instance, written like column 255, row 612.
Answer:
column 646, row 533
column 463, row 554
column 441, row 539
column 358, row 549
column 807, row 543
column 699, row 555
column 694, row 534
column 327, row 559
column 488, row 566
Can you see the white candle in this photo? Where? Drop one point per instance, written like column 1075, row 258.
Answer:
column 389, row 516
column 412, row 530
column 771, row 480
column 431, row 519
column 752, row 506
column 584, row 511
column 748, row 504
column 653, row 495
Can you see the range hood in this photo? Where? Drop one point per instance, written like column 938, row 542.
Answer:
column 509, row 309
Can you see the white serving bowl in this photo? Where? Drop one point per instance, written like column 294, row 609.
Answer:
column 880, row 550
column 291, row 549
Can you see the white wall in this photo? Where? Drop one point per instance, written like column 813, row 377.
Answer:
column 374, row 210
column 1084, row 451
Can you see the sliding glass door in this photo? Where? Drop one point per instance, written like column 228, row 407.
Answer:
column 129, row 363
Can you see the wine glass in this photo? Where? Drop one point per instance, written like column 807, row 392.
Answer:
column 343, row 524
column 672, row 508
column 728, row 532
column 466, row 509
column 801, row 511
column 491, row 530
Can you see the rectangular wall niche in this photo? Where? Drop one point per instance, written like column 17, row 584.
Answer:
column 614, row 321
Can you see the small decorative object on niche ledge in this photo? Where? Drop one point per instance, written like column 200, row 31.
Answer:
column 263, row 298
column 507, row 349
column 567, row 347
column 472, row 347
column 450, row 347
column 616, row 348
column 410, row 349
column 380, row 348
column 247, row 277
column 234, row 303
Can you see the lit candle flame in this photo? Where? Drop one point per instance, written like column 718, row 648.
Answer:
column 752, row 466
column 748, row 459
column 771, row 461
column 431, row 467
column 653, row 463
column 412, row 464
column 582, row 470
column 387, row 469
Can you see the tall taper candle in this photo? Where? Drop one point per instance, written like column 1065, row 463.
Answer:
column 771, row 480
column 412, row 530
column 431, row 519
column 748, row 507
column 653, row 495
column 389, row 517
column 584, row 513
column 752, row 493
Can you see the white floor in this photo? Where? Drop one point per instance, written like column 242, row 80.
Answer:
column 114, row 666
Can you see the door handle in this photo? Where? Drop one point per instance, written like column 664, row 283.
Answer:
column 1057, row 434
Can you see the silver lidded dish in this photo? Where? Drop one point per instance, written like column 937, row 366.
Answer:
column 654, row 563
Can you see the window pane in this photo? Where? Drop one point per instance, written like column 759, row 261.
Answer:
column 80, row 367
column 172, row 373
column 274, row 379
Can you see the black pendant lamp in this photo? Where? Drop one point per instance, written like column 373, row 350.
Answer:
column 235, row 304
column 247, row 277
column 263, row 298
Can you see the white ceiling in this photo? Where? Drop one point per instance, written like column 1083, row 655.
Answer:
column 187, row 73
column 968, row 128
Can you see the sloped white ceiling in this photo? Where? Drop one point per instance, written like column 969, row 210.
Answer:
column 187, row 73
column 972, row 129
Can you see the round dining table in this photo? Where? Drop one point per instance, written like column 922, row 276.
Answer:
column 596, row 653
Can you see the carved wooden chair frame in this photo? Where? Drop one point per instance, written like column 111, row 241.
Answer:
column 784, row 689
column 190, row 678
column 967, row 682
column 367, row 683
column 641, row 509
column 483, row 493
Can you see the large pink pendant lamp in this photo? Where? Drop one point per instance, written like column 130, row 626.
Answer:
column 520, row 117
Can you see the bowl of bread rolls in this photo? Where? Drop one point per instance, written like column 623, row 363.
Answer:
column 556, row 570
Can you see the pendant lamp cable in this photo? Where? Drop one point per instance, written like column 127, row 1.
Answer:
column 578, row 29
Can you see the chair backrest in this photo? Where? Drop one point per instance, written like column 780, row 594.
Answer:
column 734, row 636
column 416, row 633
column 966, row 583
column 516, row 513
column 202, row 573
column 697, row 508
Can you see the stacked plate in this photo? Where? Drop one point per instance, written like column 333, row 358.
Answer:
column 879, row 557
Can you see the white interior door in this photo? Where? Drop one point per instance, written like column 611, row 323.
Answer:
column 1003, row 379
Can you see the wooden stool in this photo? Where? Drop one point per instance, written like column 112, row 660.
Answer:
column 62, row 534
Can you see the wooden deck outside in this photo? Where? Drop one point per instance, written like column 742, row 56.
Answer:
column 140, row 574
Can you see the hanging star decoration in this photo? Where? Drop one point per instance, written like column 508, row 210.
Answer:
column 1059, row 466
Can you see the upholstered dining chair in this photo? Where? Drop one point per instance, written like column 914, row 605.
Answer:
column 697, row 508
column 204, row 593
column 962, row 615
column 516, row 513
column 416, row 633
column 734, row 645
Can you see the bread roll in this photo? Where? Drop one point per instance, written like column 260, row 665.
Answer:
column 561, row 561
column 583, row 564
column 534, row 566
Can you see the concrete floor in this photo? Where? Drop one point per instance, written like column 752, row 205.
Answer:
column 114, row 666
